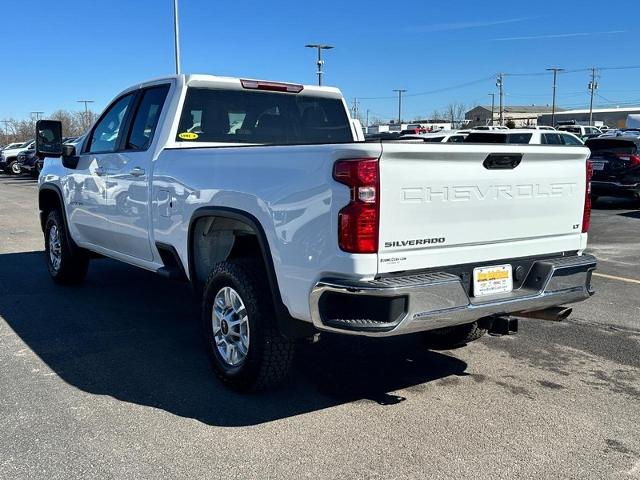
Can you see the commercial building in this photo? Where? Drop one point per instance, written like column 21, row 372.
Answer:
column 520, row 115
column 611, row 117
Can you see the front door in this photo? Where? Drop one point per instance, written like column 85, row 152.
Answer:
column 128, row 177
column 86, row 186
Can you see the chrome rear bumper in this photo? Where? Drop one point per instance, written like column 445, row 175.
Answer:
column 438, row 299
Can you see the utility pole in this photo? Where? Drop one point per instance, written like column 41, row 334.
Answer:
column 176, row 36
column 37, row 115
column 500, row 85
column 86, row 112
column 400, row 92
column 493, row 102
column 555, row 71
column 593, row 86
column 320, row 62
column 86, row 105
column 367, row 117
column 355, row 109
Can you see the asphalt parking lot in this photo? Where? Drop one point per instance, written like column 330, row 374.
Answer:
column 109, row 380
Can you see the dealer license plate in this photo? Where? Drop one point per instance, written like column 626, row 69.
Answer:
column 492, row 280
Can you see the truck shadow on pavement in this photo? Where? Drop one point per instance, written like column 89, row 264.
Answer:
column 132, row 335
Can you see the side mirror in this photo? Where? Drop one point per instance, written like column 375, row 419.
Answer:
column 48, row 138
column 69, row 157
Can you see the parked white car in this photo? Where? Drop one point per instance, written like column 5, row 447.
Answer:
column 579, row 130
column 443, row 136
column 11, row 146
column 491, row 127
column 259, row 194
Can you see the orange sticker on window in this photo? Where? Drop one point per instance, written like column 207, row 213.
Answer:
column 188, row 135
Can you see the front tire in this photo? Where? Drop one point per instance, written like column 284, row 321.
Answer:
column 13, row 168
column 67, row 265
column 456, row 336
column 245, row 348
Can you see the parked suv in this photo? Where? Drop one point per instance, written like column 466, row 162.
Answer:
column 616, row 166
column 9, row 158
column 580, row 131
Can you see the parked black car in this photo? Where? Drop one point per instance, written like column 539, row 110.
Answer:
column 30, row 163
column 616, row 166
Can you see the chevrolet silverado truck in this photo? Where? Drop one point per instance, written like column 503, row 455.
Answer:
column 265, row 197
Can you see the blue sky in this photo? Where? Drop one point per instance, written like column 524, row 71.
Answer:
column 55, row 53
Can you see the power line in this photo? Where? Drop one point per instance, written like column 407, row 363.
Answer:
column 430, row 92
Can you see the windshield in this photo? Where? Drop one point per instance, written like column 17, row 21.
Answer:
column 239, row 116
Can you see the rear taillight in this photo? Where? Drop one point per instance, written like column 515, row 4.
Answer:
column 358, row 221
column 586, row 213
column 634, row 160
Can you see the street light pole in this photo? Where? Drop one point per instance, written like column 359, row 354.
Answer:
column 37, row 115
column 493, row 101
column 555, row 71
column 176, row 36
column 400, row 92
column 320, row 62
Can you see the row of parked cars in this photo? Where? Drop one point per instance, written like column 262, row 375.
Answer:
column 20, row 157
column 615, row 153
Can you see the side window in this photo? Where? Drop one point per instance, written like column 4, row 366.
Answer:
column 570, row 140
column 105, row 135
column 455, row 139
column 551, row 139
column 146, row 118
column 520, row 138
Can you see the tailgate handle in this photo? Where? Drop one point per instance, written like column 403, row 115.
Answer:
column 502, row 161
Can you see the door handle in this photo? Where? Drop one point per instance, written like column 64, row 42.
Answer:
column 99, row 171
column 137, row 172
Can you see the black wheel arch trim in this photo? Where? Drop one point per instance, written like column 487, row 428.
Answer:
column 63, row 211
column 288, row 325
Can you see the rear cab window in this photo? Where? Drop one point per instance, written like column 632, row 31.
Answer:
column 515, row 138
column 261, row 117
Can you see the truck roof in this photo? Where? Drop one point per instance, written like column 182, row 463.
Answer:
column 234, row 83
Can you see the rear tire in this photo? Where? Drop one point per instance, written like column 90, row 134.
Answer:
column 245, row 348
column 67, row 264
column 456, row 336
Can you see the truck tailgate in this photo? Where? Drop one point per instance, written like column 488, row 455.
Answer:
column 448, row 204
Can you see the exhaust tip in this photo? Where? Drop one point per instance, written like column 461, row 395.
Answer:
column 552, row 314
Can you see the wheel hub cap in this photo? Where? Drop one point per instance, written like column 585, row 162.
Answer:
column 55, row 249
column 230, row 326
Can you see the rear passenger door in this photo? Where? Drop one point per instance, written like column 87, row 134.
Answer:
column 128, row 177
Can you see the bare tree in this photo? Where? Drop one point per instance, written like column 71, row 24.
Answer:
column 74, row 123
column 435, row 115
column 455, row 113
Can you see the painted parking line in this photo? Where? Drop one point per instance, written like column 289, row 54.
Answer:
column 620, row 279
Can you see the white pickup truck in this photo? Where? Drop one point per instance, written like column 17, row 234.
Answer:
column 263, row 196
